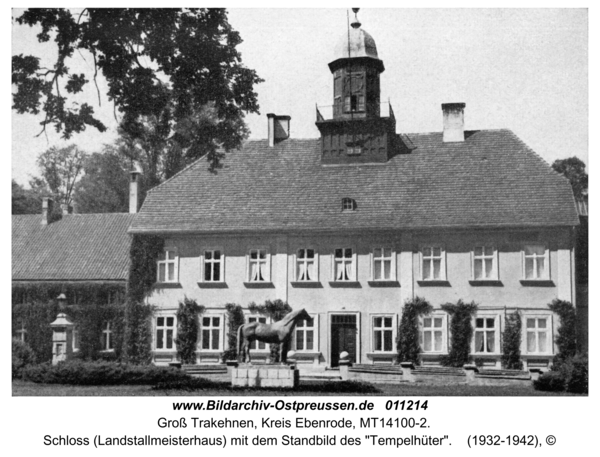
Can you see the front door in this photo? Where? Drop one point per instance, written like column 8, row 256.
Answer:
column 343, row 337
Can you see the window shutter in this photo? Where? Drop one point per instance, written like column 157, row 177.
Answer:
column 248, row 266
column 295, row 266
column 201, row 267
column 371, row 266
column 268, row 278
column 394, row 262
column 222, row 267
column 316, row 266
column 354, row 265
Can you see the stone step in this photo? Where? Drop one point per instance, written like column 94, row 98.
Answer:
column 505, row 373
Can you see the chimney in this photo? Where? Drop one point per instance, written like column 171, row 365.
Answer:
column 66, row 209
column 279, row 128
column 134, row 178
column 47, row 209
column 454, row 122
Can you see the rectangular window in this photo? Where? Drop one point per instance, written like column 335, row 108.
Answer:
column 537, row 335
column 485, row 263
column 165, row 333
column 343, row 264
column 535, row 262
column 107, row 342
column 383, row 333
column 211, row 333
column 383, row 264
column 258, row 266
column 304, row 335
column 21, row 332
column 167, row 266
column 257, row 344
column 306, row 265
column 75, row 341
column 433, row 265
column 485, row 334
column 213, row 265
column 432, row 334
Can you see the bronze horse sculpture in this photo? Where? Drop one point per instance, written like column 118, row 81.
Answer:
column 278, row 332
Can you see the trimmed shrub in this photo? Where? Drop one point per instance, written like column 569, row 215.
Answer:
column 461, row 329
column 192, row 384
column 188, row 329
column 551, row 381
column 235, row 318
column 574, row 371
column 22, row 357
column 511, row 342
column 409, row 349
column 82, row 373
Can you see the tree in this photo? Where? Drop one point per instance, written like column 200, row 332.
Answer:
column 104, row 187
column 174, row 75
column 574, row 170
column 26, row 201
column 61, row 168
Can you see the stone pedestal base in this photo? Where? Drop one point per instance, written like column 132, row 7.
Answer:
column 265, row 376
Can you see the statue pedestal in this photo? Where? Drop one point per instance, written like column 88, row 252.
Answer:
column 265, row 376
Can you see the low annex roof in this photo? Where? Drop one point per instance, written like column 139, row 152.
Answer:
column 90, row 247
column 492, row 179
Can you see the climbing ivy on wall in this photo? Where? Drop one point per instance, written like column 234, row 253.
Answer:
column 409, row 349
column 137, row 340
column 461, row 329
column 276, row 310
column 566, row 338
column 235, row 318
column 35, row 306
column 188, row 329
column 511, row 342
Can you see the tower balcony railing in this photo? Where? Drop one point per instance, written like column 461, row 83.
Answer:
column 341, row 111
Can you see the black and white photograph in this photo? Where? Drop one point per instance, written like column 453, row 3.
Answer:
column 319, row 218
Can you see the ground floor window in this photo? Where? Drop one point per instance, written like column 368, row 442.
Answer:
column 383, row 334
column 485, row 334
column 433, row 333
column 76, row 339
column 107, row 341
column 165, row 332
column 304, row 335
column 538, row 331
column 211, row 333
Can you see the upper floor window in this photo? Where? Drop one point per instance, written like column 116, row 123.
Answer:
column 165, row 332
column 107, row 341
column 383, row 264
column 259, row 265
column 485, row 334
column 304, row 335
column 167, row 266
column 214, row 263
column 21, row 332
column 306, row 265
column 485, row 263
column 348, row 204
column 211, row 333
column 383, row 334
column 344, row 265
column 535, row 262
column 433, row 263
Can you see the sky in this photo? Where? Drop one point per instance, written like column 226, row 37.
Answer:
column 521, row 69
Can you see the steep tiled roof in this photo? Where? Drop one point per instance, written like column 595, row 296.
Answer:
column 78, row 247
column 491, row 180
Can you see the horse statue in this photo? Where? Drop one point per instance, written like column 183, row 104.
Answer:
column 278, row 332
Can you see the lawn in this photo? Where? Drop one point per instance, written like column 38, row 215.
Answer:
column 22, row 388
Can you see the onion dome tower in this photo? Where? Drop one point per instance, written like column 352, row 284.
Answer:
column 355, row 131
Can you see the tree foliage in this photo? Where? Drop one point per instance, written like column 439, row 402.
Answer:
column 174, row 75
column 235, row 318
column 566, row 339
column 27, row 201
column 188, row 329
column 61, row 168
column 409, row 349
column 104, row 187
column 574, row 170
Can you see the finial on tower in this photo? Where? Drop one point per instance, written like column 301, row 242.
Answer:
column 355, row 24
